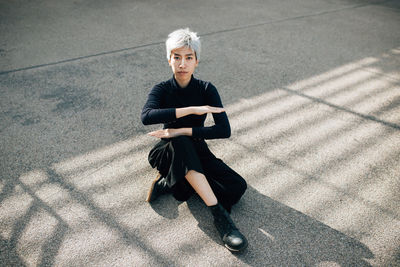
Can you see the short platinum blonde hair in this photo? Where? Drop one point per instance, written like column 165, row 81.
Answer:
column 181, row 38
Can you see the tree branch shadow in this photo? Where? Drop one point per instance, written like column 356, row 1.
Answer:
column 9, row 255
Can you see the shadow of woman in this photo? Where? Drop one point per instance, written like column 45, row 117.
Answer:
column 166, row 206
column 279, row 235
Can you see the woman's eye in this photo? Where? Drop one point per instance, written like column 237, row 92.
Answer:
column 176, row 58
column 189, row 58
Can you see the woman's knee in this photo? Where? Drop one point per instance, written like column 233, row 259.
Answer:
column 235, row 188
column 235, row 192
column 242, row 186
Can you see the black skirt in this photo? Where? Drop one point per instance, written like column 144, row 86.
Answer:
column 174, row 157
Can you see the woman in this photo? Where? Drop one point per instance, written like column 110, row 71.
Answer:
column 182, row 157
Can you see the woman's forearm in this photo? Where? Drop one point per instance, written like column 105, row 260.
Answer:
column 197, row 110
column 171, row 133
column 184, row 131
column 182, row 112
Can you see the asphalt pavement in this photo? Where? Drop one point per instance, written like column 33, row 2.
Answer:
column 312, row 91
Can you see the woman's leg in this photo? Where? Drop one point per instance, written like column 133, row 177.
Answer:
column 200, row 184
column 227, row 185
column 233, row 239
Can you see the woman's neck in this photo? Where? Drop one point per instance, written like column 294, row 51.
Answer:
column 183, row 83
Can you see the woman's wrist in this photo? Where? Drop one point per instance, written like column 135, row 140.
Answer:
column 180, row 131
column 184, row 131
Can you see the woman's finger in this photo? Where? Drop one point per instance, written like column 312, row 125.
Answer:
column 155, row 133
column 216, row 109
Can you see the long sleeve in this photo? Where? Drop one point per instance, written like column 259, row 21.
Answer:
column 221, row 128
column 152, row 113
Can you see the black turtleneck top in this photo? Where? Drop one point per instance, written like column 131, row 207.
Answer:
column 167, row 96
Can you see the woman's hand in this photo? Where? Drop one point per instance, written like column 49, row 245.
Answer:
column 170, row 133
column 200, row 110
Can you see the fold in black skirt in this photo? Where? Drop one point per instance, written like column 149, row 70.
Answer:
column 174, row 157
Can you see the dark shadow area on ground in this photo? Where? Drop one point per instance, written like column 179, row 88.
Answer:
column 390, row 4
column 8, row 254
column 166, row 206
column 281, row 236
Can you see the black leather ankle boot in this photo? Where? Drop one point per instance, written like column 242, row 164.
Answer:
column 158, row 187
column 232, row 238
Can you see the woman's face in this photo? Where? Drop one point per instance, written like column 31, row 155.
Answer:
column 183, row 62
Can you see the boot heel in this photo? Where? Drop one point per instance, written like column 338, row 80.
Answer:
column 149, row 194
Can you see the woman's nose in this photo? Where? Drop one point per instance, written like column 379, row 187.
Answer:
column 182, row 63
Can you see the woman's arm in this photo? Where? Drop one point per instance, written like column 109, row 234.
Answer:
column 170, row 133
column 181, row 112
column 197, row 110
column 221, row 128
column 153, row 114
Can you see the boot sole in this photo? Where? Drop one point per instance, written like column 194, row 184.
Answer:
column 235, row 250
column 148, row 199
